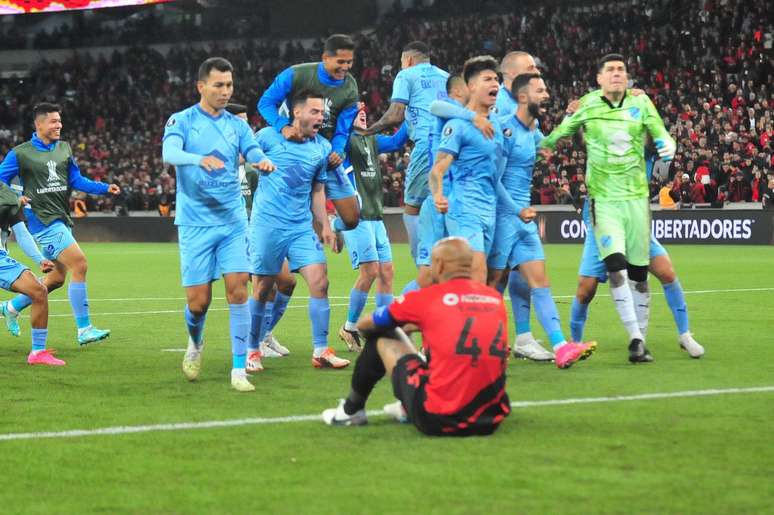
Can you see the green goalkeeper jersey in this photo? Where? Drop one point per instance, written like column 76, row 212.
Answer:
column 615, row 142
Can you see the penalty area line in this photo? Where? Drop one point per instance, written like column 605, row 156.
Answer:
column 214, row 424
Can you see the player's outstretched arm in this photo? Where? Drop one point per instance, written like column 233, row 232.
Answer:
column 394, row 116
column 448, row 111
column 80, row 183
column 274, row 96
column 567, row 128
column 664, row 143
column 386, row 144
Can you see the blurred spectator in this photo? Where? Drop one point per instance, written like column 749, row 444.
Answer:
column 547, row 192
column 768, row 196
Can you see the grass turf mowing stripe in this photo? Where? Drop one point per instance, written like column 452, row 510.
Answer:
column 121, row 430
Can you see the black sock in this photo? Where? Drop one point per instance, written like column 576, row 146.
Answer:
column 369, row 369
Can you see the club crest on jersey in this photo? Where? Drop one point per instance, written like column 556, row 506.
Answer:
column 634, row 112
column 447, row 131
column 451, row 299
column 507, row 132
column 52, row 175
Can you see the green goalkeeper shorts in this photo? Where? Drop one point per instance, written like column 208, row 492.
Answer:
column 622, row 227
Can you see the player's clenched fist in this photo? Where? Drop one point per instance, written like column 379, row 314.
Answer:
column 441, row 203
column 211, row 163
column 265, row 166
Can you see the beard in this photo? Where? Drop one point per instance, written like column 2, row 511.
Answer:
column 534, row 110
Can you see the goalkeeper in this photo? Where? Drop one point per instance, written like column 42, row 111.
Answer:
column 615, row 126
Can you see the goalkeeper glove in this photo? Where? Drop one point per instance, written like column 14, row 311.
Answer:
column 666, row 148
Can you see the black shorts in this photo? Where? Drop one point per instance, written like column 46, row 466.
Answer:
column 409, row 378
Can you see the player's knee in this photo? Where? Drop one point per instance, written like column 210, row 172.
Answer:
column 38, row 293
column 386, row 273
column 318, row 286
column 639, row 274
column 287, row 285
column 54, row 281
column 369, row 271
column 615, row 262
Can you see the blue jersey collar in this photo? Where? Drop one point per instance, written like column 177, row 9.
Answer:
column 325, row 77
column 40, row 145
column 208, row 115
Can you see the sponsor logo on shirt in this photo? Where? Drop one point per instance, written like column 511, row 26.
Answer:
column 451, row 299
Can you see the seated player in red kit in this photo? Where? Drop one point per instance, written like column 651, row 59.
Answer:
column 460, row 389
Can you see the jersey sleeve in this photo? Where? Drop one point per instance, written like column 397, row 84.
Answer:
column 401, row 89
column 386, row 144
column 246, row 138
column 272, row 98
column 448, row 110
column 568, row 127
column 452, row 138
column 408, row 309
column 9, row 168
column 653, row 121
column 177, row 125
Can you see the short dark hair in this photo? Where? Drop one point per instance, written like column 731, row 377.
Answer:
column 610, row 57
column 236, row 108
column 217, row 63
column 302, row 96
column 43, row 108
column 418, row 47
column 337, row 42
column 522, row 81
column 478, row 64
column 452, row 81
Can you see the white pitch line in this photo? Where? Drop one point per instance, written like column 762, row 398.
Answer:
column 140, row 299
column 210, row 424
column 171, row 311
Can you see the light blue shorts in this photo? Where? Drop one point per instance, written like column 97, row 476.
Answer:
column 10, row 270
column 515, row 242
column 208, row 252
column 338, row 185
column 54, row 239
column 432, row 228
column 416, row 186
column 592, row 266
column 368, row 242
column 271, row 245
column 478, row 230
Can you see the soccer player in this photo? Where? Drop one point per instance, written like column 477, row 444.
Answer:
column 331, row 79
column 48, row 172
column 17, row 278
column 473, row 189
column 512, row 65
column 516, row 241
column 368, row 243
column 460, row 390
column 286, row 283
column 281, row 224
column 615, row 125
column 204, row 142
column 416, row 86
column 592, row 272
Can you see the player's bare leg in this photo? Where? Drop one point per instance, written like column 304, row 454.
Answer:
column 348, row 210
column 661, row 267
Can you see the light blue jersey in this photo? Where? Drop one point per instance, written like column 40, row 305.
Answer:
column 283, row 197
column 505, row 105
column 473, row 180
column 519, row 151
column 210, row 198
column 418, row 87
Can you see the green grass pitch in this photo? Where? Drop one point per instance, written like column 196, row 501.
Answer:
column 708, row 454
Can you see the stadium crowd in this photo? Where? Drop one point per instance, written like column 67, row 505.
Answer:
column 709, row 71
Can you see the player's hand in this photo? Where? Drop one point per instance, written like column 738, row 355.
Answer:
column 290, row 133
column 46, row 266
column 572, row 107
column 264, row 166
column 211, row 163
column 328, row 238
column 545, row 153
column 24, row 200
column 637, row 92
column 527, row 214
column 441, row 203
column 666, row 148
column 334, row 160
column 483, row 124
column 114, row 189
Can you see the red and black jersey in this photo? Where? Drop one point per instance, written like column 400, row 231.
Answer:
column 465, row 332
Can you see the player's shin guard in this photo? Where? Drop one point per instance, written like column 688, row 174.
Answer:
column 239, row 324
column 20, row 302
column 578, row 315
column 624, row 304
column 79, row 301
column 641, row 297
column 39, row 337
column 268, row 315
column 319, row 314
column 383, row 299
column 545, row 309
column 280, row 305
column 520, row 293
column 676, row 301
column 357, row 302
column 369, row 369
column 257, row 315
column 412, row 229
column 195, row 326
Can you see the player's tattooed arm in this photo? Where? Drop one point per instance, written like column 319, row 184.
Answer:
column 442, row 163
column 393, row 117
